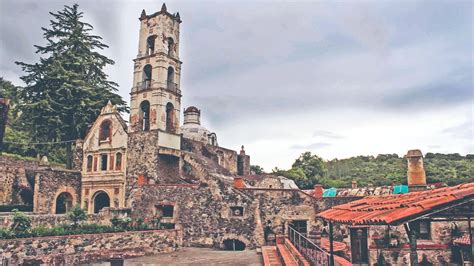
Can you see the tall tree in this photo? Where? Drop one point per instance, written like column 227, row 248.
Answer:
column 67, row 87
column 312, row 165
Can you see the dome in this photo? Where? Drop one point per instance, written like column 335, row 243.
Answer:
column 192, row 109
column 195, row 132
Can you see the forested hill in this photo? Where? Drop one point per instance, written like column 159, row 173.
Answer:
column 387, row 169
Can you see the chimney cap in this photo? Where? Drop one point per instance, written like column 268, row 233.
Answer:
column 414, row 153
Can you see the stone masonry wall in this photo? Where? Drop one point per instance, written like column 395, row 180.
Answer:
column 50, row 183
column 13, row 176
column 76, row 249
column 144, row 161
column 202, row 213
column 49, row 220
column 225, row 158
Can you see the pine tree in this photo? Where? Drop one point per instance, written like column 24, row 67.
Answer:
column 67, row 87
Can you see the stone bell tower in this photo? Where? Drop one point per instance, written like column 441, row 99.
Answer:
column 156, row 96
column 154, row 145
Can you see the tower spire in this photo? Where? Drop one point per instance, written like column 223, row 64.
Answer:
column 163, row 8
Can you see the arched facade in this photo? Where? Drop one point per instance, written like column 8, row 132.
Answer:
column 100, row 200
column 104, row 162
column 64, row 199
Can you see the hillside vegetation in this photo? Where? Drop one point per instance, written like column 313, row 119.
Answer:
column 384, row 169
column 388, row 169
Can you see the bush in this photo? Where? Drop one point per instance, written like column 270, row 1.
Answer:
column 21, row 223
column 76, row 215
column 6, row 233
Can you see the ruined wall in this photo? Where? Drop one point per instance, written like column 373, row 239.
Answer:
column 243, row 164
column 146, row 164
column 279, row 207
column 50, row 183
column 225, row 158
column 203, row 213
column 76, row 249
column 14, row 178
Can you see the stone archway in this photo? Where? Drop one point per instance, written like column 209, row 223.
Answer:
column 63, row 203
column 233, row 245
column 101, row 200
column 52, row 202
column 234, row 242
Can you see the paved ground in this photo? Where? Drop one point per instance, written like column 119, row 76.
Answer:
column 200, row 256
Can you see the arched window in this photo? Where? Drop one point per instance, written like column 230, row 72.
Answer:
column 145, row 115
column 89, row 163
column 170, row 46
column 169, row 117
column 118, row 161
column 170, row 79
column 63, row 203
column 146, row 77
column 105, row 133
column 150, row 45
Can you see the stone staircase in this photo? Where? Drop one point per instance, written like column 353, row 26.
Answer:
column 284, row 253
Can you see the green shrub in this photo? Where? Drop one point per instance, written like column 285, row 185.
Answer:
column 41, row 231
column 76, row 215
column 6, row 233
column 21, row 223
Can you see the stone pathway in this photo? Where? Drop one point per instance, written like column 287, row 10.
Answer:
column 200, row 256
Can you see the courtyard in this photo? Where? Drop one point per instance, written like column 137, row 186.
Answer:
column 200, row 256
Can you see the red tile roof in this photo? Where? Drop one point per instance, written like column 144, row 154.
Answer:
column 337, row 246
column 463, row 240
column 390, row 209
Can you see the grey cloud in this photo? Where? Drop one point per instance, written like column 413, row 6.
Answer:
column 312, row 146
column 326, row 134
column 464, row 130
column 433, row 95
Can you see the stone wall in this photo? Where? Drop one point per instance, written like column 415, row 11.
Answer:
column 225, row 158
column 78, row 155
column 50, row 183
column 279, row 207
column 76, row 249
column 145, row 163
column 49, row 220
column 13, row 179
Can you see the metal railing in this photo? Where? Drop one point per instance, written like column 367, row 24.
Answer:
column 143, row 85
column 314, row 254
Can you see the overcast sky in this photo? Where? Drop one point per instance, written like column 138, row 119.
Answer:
column 338, row 78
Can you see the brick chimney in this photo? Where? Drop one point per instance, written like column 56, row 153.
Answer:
column 239, row 182
column 416, row 171
column 354, row 184
column 318, row 191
